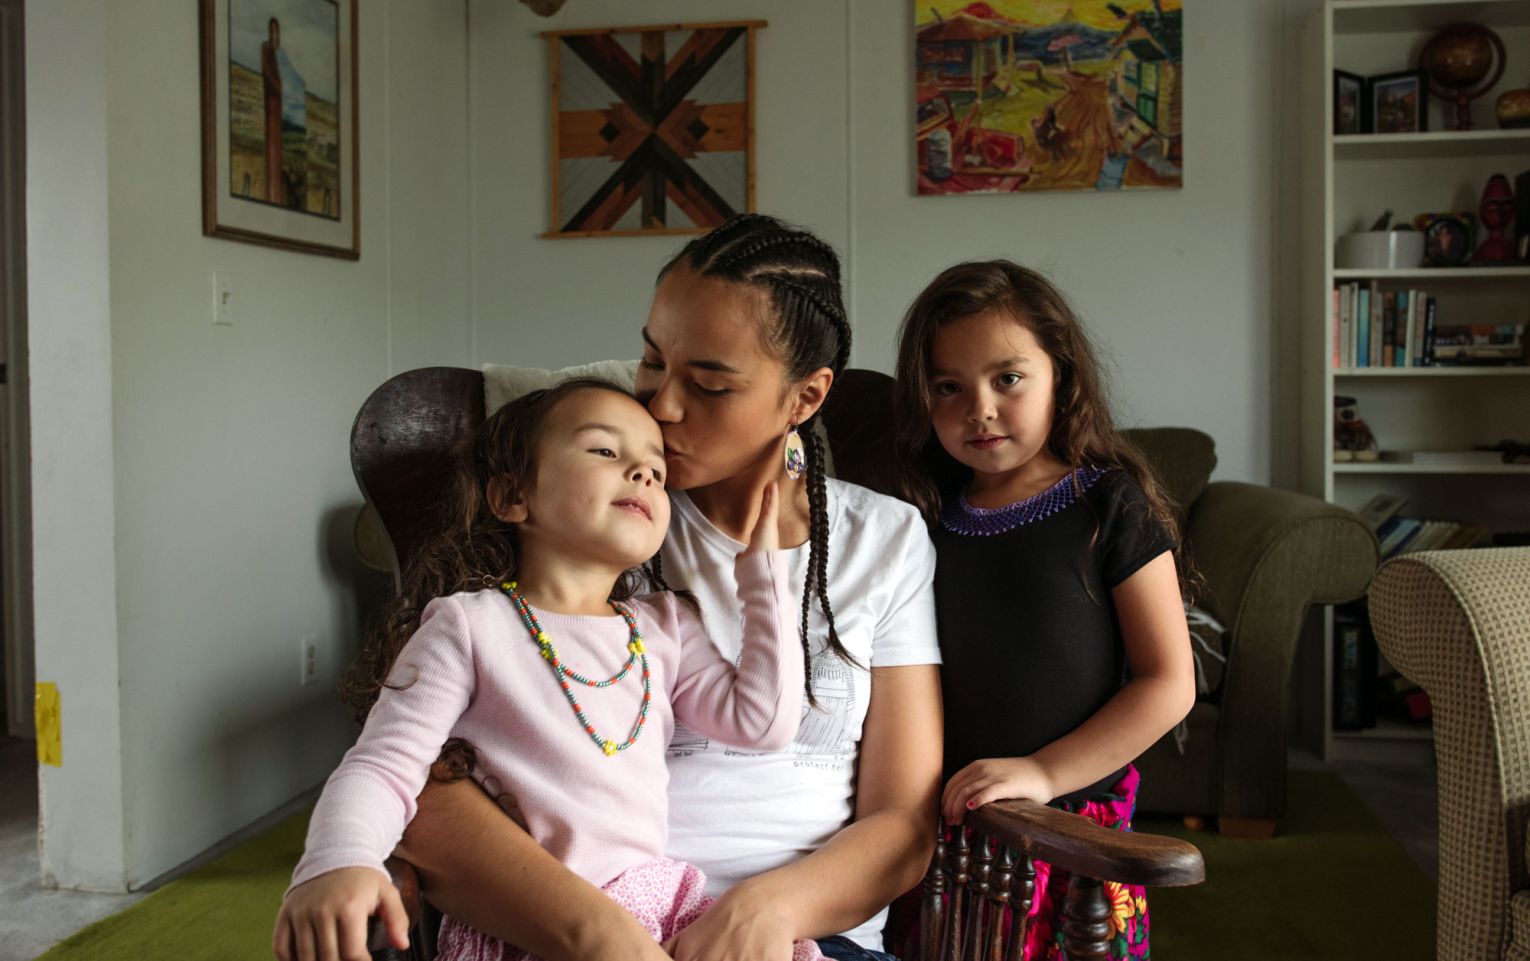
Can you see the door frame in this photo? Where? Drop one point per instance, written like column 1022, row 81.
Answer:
column 15, row 462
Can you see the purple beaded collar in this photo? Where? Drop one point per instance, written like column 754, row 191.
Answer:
column 960, row 517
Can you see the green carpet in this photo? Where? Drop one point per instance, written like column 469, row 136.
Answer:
column 1331, row 884
column 222, row 911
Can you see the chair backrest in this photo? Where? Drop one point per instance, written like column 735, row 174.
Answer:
column 401, row 448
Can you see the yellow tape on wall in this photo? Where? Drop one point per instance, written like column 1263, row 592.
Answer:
column 49, row 718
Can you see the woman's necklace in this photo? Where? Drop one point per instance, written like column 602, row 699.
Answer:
column 635, row 653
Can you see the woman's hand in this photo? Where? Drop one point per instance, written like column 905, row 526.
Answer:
column 765, row 536
column 326, row 919
column 737, row 927
column 994, row 779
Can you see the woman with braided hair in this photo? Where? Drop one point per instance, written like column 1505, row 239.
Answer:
column 745, row 336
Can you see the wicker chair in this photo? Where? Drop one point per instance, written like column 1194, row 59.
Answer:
column 1457, row 623
column 399, row 449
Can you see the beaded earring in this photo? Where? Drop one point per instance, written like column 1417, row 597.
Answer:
column 796, row 455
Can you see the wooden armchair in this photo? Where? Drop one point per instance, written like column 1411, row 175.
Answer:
column 400, row 445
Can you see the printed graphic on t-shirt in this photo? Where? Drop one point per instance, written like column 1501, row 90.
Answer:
column 827, row 734
column 686, row 742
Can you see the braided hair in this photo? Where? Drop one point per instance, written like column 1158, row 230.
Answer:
column 809, row 330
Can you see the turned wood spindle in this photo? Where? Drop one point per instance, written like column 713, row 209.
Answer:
column 932, row 912
column 1086, row 920
column 961, row 863
column 977, row 907
column 1022, row 896
column 998, row 901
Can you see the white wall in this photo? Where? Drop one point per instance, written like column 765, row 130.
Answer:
column 221, row 451
column 70, row 366
column 1177, row 285
column 554, row 302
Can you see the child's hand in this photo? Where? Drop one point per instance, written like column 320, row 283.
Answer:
column 326, row 919
column 766, row 536
column 994, row 779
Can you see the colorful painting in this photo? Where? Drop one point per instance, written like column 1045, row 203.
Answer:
column 279, row 122
column 1016, row 95
column 652, row 128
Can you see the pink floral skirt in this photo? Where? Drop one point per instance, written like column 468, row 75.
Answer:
column 1128, row 902
column 664, row 895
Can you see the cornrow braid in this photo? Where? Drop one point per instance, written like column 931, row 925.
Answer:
column 810, row 330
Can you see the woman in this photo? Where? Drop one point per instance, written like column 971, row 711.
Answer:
column 745, row 336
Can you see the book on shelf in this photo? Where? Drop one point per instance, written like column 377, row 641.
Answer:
column 1404, row 333
column 1373, row 327
column 1443, row 458
column 1380, row 509
column 1479, row 345
column 1354, row 670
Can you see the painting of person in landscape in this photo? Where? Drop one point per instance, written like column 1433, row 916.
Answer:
column 284, row 79
column 1048, row 94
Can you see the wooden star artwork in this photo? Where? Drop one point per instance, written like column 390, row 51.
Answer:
column 653, row 128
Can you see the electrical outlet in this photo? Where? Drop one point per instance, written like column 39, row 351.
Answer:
column 308, row 650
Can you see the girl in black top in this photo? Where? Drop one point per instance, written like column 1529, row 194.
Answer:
column 1061, row 624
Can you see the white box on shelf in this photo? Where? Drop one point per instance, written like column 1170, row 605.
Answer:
column 1380, row 250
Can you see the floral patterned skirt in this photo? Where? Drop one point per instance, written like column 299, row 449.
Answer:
column 1128, row 902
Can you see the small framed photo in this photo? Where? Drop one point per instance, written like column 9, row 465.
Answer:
column 1398, row 102
column 279, row 124
column 1348, row 103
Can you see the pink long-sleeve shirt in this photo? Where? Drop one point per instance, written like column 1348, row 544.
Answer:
column 472, row 671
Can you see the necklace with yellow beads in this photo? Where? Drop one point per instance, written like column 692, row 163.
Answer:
column 636, row 653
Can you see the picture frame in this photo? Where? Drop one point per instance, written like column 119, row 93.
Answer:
column 1449, row 238
column 1398, row 102
column 280, row 124
column 1349, row 103
column 672, row 154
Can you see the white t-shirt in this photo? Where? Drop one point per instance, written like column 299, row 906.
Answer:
column 736, row 814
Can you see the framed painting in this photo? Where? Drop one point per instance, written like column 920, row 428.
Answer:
column 652, row 128
column 1399, row 102
column 279, row 124
column 1022, row 95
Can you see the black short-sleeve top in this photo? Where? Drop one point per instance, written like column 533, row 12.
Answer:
column 1029, row 636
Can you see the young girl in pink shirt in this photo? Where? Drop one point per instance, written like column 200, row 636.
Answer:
column 518, row 644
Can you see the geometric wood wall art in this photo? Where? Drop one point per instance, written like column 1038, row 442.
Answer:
column 653, row 128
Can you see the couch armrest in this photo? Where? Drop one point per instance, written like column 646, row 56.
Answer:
column 1458, row 624
column 1267, row 556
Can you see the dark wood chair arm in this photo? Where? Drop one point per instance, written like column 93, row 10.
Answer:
column 1082, row 847
column 407, row 881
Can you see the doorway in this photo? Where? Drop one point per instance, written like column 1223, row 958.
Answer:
column 16, row 664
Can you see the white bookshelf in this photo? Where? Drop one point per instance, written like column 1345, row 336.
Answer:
column 1347, row 181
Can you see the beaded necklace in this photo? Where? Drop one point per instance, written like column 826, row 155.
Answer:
column 635, row 653
column 960, row 517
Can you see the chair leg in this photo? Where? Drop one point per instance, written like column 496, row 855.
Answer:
column 1260, row 829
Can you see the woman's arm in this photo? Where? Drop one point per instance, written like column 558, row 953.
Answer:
column 479, row 866
column 1160, row 692
column 880, row 855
